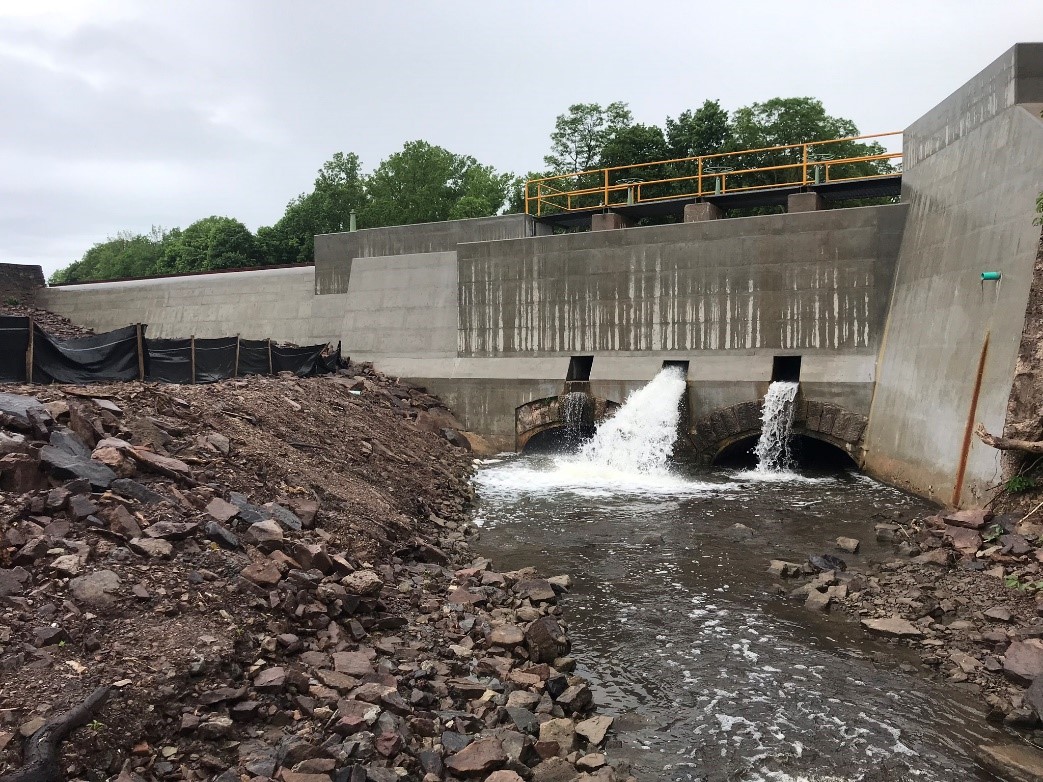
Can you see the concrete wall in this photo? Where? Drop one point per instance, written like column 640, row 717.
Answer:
column 334, row 253
column 276, row 303
column 973, row 170
column 809, row 281
column 401, row 306
column 726, row 295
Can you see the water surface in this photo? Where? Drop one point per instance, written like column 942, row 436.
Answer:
column 710, row 673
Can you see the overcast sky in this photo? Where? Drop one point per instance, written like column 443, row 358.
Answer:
column 123, row 115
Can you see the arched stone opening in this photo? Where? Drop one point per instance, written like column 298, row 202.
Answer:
column 725, row 431
column 558, row 423
column 808, row 451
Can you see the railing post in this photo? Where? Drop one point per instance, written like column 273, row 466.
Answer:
column 539, row 199
column 604, row 202
column 526, row 186
column 804, row 174
column 700, row 176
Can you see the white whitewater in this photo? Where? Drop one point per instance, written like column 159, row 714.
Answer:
column 573, row 406
column 640, row 437
column 772, row 451
column 628, row 456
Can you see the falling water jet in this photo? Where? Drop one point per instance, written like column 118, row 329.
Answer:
column 573, row 413
column 772, row 451
column 640, row 437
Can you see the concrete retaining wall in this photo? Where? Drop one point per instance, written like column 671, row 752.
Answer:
column 809, row 281
column 334, row 253
column 275, row 303
column 973, row 172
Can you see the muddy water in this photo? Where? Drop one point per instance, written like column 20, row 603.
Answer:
column 710, row 673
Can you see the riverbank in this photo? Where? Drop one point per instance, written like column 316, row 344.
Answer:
column 270, row 578
column 963, row 589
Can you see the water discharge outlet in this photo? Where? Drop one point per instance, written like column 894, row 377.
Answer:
column 785, row 368
column 640, row 437
column 773, row 447
column 579, row 369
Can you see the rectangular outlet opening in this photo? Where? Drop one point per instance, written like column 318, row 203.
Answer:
column 579, row 368
column 682, row 365
column 785, row 369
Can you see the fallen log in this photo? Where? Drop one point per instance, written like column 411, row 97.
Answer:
column 42, row 760
column 1007, row 444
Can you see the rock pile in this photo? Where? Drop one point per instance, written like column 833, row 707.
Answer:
column 273, row 575
column 966, row 590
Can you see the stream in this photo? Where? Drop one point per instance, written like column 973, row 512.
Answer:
column 710, row 673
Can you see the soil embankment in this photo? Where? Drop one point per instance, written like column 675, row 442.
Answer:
column 272, row 577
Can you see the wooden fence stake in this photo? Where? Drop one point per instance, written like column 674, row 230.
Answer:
column 271, row 371
column 235, row 372
column 29, row 351
column 193, row 358
column 141, row 354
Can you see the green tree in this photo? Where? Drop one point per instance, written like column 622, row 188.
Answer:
column 634, row 145
column 705, row 131
column 339, row 187
column 213, row 243
column 580, row 135
column 786, row 121
column 127, row 254
column 427, row 183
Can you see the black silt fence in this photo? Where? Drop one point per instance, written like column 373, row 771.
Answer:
column 14, row 348
column 29, row 354
column 169, row 360
column 100, row 358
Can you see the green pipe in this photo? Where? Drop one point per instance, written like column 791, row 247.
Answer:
column 989, row 276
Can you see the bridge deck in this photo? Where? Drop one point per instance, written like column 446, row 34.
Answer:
column 831, row 192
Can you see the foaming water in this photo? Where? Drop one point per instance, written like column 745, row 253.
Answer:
column 629, row 454
column 640, row 437
column 779, row 476
column 544, row 475
column 773, row 454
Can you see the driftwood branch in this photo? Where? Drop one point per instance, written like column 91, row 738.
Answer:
column 42, row 761
column 1006, row 444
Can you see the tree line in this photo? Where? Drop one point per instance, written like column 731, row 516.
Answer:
column 426, row 183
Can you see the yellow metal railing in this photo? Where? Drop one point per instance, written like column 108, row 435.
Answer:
column 789, row 165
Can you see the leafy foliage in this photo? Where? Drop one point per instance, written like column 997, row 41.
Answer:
column 1020, row 483
column 580, row 135
column 425, row 183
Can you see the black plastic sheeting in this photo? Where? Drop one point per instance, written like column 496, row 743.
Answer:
column 304, row 361
column 169, row 360
column 254, row 358
column 215, row 359
column 100, row 358
column 14, row 342
column 113, row 356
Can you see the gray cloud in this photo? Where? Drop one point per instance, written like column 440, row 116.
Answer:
column 122, row 115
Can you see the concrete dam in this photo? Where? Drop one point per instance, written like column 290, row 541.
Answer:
column 881, row 312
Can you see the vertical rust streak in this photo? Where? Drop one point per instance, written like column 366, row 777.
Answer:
column 968, row 431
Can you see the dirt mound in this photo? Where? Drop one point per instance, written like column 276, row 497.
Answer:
column 272, row 576
column 53, row 324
